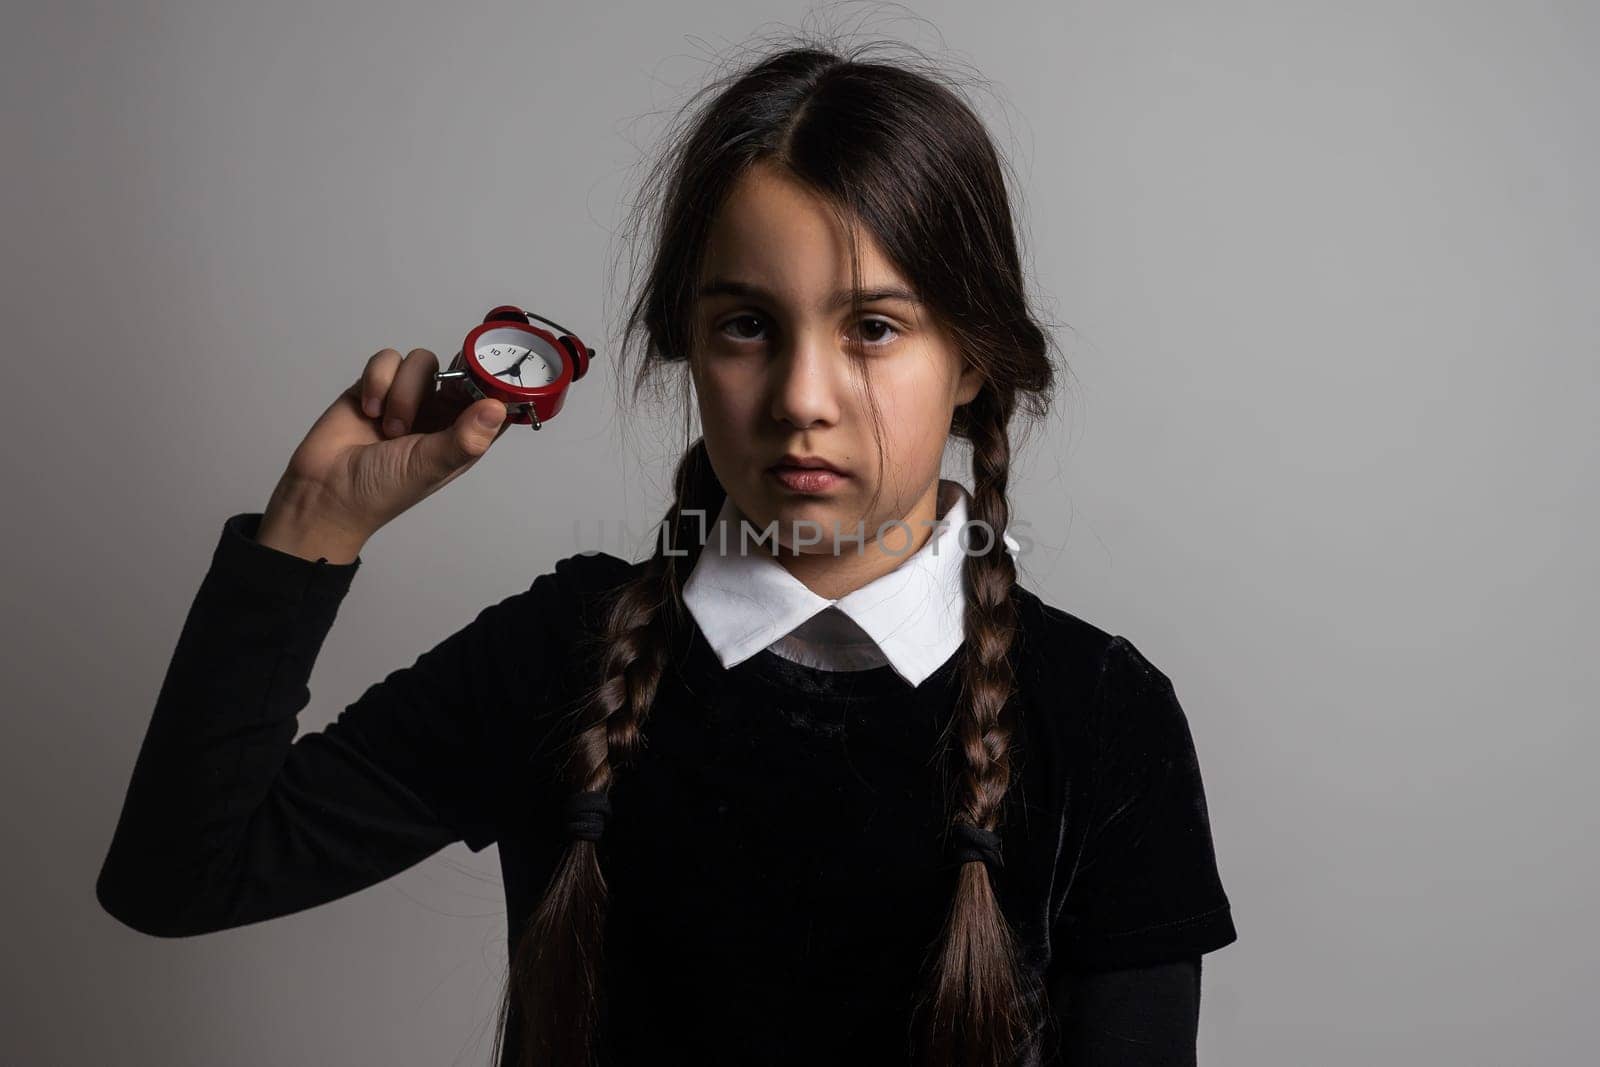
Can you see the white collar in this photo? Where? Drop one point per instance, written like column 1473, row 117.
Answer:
column 747, row 601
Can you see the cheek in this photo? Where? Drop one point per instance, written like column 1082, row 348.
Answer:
column 915, row 418
column 725, row 397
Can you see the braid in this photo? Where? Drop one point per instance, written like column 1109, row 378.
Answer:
column 978, row 1007
column 556, row 970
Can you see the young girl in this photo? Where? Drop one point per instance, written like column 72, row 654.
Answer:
column 817, row 782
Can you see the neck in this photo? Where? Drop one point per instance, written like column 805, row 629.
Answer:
column 832, row 575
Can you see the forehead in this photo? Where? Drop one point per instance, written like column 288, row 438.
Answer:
column 776, row 233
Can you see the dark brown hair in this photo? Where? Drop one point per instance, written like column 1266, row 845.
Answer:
column 894, row 149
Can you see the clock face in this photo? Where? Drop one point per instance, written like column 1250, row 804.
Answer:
column 519, row 358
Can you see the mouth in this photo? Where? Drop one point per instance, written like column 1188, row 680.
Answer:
column 806, row 474
column 792, row 461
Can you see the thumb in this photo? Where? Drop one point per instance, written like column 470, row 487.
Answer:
column 461, row 443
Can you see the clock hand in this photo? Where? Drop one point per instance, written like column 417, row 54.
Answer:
column 512, row 369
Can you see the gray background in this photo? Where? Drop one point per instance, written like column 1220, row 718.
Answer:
column 1328, row 275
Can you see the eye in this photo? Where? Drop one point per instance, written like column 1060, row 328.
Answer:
column 884, row 324
column 723, row 329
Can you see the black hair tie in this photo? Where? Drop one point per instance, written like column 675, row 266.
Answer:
column 586, row 814
column 975, row 843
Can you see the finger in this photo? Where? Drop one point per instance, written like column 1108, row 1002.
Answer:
column 460, row 444
column 412, row 382
column 375, row 380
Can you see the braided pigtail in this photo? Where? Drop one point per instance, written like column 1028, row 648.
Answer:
column 978, row 1009
column 556, row 971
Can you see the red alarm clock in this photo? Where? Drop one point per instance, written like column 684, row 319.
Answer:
column 508, row 358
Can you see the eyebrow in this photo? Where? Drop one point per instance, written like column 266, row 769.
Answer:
column 839, row 298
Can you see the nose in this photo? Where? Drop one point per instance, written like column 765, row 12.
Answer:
column 805, row 380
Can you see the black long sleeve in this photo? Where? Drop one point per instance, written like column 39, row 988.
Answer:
column 229, row 819
column 1145, row 1016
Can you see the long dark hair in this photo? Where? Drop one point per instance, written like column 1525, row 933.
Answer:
column 896, row 150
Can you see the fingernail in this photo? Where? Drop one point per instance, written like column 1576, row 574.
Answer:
column 394, row 427
column 489, row 417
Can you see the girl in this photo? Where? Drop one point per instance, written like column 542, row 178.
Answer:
column 759, row 798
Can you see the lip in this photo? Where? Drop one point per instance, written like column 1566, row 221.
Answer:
column 795, row 461
column 807, row 479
